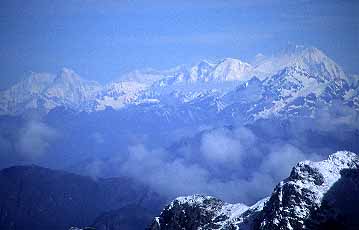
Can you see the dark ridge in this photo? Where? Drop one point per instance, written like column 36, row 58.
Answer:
column 32, row 197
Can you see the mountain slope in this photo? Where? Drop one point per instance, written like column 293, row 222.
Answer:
column 32, row 197
column 310, row 59
column 44, row 92
column 316, row 195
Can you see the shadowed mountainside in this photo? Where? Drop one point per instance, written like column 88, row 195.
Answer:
column 32, row 197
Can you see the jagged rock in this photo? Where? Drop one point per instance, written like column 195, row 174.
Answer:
column 316, row 195
column 196, row 212
column 295, row 199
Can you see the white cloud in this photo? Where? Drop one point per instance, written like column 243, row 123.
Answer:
column 34, row 139
column 231, row 164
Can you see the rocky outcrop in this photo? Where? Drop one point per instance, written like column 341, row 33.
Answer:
column 296, row 199
column 316, row 195
column 197, row 212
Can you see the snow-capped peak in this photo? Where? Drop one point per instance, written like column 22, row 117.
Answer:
column 296, row 72
column 230, row 69
column 201, row 71
column 43, row 92
column 329, row 169
column 68, row 74
column 69, row 86
column 311, row 59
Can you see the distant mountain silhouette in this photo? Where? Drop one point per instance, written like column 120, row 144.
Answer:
column 33, row 197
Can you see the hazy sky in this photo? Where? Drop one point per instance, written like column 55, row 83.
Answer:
column 100, row 39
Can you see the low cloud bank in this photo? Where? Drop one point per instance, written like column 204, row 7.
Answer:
column 238, row 164
column 230, row 164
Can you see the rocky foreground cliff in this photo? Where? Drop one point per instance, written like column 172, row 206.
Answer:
column 316, row 195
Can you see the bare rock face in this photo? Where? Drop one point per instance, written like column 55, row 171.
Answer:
column 316, row 195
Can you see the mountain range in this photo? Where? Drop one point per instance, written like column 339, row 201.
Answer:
column 229, row 129
column 290, row 82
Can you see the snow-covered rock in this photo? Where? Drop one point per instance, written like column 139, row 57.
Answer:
column 118, row 94
column 296, row 199
column 231, row 69
column 197, row 212
column 310, row 59
column 44, row 92
column 316, row 195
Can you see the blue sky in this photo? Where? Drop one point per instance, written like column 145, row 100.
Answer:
column 101, row 39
